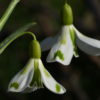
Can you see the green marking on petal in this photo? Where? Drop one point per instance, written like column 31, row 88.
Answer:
column 14, row 85
column 25, row 69
column 46, row 73
column 58, row 88
column 63, row 38
column 59, row 54
column 72, row 35
column 73, row 38
column 76, row 51
column 63, row 41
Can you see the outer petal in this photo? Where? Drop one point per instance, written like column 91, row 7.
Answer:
column 62, row 51
column 21, row 81
column 47, row 43
column 49, row 81
column 88, row 45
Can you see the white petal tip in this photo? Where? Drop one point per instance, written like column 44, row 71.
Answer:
column 59, row 89
column 77, row 56
column 86, row 44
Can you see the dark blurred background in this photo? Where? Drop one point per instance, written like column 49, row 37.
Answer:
column 81, row 78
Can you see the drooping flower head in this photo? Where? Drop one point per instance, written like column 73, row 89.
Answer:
column 64, row 45
column 34, row 75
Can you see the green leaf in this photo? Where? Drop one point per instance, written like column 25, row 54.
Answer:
column 13, row 36
column 7, row 13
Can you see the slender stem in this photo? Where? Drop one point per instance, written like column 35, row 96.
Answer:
column 7, row 13
column 20, row 32
column 65, row 1
column 30, row 33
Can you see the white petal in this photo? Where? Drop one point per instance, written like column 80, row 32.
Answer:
column 88, row 45
column 47, row 43
column 50, row 82
column 66, row 49
column 21, row 81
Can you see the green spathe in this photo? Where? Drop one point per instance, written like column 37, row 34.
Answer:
column 35, row 50
column 67, row 15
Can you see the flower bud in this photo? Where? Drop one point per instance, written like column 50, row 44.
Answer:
column 67, row 15
column 35, row 50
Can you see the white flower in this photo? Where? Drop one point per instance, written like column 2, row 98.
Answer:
column 64, row 46
column 32, row 77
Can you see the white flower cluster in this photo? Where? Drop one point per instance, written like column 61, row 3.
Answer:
column 63, row 46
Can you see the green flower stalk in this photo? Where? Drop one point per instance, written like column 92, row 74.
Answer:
column 7, row 13
column 34, row 75
column 64, row 45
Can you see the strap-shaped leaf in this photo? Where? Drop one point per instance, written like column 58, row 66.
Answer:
column 13, row 36
column 7, row 13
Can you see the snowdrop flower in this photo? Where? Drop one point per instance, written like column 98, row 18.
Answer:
column 34, row 75
column 64, row 45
